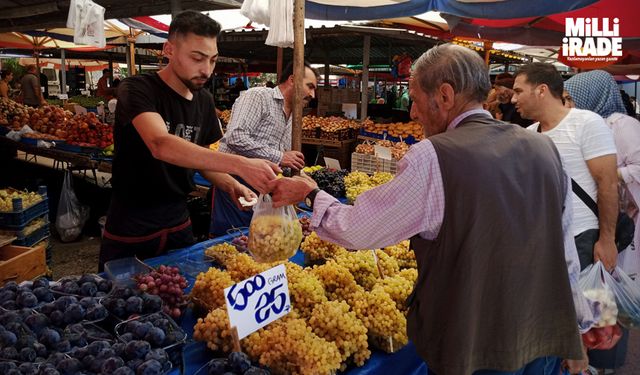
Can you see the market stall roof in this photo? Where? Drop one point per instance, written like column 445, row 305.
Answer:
column 380, row 9
column 20, row 15
column 341, row 44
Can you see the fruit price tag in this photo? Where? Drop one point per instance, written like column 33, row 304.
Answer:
column 63, row 96
column 257, row 301
column 382, row 152
column 332, row 163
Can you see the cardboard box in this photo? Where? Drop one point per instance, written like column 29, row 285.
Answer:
column 18, row 263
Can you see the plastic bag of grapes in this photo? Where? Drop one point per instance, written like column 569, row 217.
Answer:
column 274, row 233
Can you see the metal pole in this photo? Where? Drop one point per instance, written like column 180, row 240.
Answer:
column 111, row 70
column 63, row 68
column 298, row 74
column 365, row 77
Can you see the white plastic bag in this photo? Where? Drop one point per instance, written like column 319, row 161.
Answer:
column 595, row 286
column 627, row 294
column 71, row 215
column 256, row 10
column 274, row 233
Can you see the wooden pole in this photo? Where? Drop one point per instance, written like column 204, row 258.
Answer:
column 298, row 74
column 327, row 68
column 487, row 52
column 279, row 65
column 63, row 73
column 365, row 77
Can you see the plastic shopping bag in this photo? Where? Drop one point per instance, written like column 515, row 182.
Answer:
column 274, row 233
column 593, row 284
column 596, row 284
column 627, row 294
column 71, row 215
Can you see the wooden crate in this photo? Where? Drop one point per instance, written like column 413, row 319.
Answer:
column 370, row 164
column 19, row 263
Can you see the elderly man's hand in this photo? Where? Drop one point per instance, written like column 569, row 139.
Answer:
column 286, row 191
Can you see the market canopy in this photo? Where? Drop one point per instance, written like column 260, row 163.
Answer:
column 37, row 41
column 381, row 9
column 20, row 15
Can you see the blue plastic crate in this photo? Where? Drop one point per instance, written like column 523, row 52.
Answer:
column 35, row 237
column 20, row 232
column 20, row 217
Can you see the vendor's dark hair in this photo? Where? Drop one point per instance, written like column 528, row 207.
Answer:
column 538, row 73
column 191, row 21
column 4, row 73
column 288, row 71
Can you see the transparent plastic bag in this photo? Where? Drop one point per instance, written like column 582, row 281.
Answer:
column 627, row 295
column 71, row 215
column 274, row 233
column 595, row 286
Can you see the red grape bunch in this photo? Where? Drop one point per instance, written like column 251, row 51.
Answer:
column 167, row 283
column 305, row 222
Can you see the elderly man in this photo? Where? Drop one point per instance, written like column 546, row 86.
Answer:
column 487, row 205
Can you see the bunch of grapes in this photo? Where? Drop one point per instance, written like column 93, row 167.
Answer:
column 318, row 249
column 334, row 322
column 289, row 346
column 387, row 264
column 214, row 330
column 378, row 312
column 241, row 243
column 242, row 266
column 405, row 257
column 305, row 222
column 398, row 289
column 410, row 274
column 221, row 253
column 169, row 284
column 380, row 178
column 338, row 282
column 305, row 289
column 362, row 265
column 209, row 288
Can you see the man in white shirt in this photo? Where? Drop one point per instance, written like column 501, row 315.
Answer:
column 589, row 155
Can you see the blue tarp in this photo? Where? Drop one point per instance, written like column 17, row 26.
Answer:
column 508, row 9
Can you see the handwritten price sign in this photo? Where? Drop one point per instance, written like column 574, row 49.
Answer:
column 259, row 300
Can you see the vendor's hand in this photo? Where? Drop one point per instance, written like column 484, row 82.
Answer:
column 293, row 159
column 258, row 173
column 606, row 252
column 286, row 191
column 237, row 190
column 577, row 366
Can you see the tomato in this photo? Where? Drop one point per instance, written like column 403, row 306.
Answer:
column 589, row 339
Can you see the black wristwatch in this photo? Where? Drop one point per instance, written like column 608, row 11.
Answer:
column 308, row 200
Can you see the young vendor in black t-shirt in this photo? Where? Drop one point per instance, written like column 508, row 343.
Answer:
column 163, row 125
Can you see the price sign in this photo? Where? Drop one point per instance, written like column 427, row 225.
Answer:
column 63, row 96
column 382, row 152
column 257, row 301
column 332, row 163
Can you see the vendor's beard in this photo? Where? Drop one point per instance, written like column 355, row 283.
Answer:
column 192, row 85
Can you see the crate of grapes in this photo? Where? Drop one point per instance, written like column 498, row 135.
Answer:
column 18, row 208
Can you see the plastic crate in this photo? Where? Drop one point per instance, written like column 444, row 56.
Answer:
column 78, row 149
column 30, row 239
column 20, row 216
column 370, row 164
column 121, row 271
column 21, row 232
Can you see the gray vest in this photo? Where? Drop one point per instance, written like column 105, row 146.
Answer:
column 493, row 289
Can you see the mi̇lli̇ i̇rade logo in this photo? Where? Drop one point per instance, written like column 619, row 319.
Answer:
column 595, row 40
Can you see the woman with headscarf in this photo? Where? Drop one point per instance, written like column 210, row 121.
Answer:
column 597, row 91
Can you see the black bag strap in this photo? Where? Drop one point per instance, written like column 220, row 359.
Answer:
column 586, row 198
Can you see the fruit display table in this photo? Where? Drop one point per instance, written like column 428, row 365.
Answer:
column 191, row 260
column 75, row 161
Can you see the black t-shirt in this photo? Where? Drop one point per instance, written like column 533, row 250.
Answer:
column 149, row 194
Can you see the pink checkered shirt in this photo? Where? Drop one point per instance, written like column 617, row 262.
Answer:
column 413, row 203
